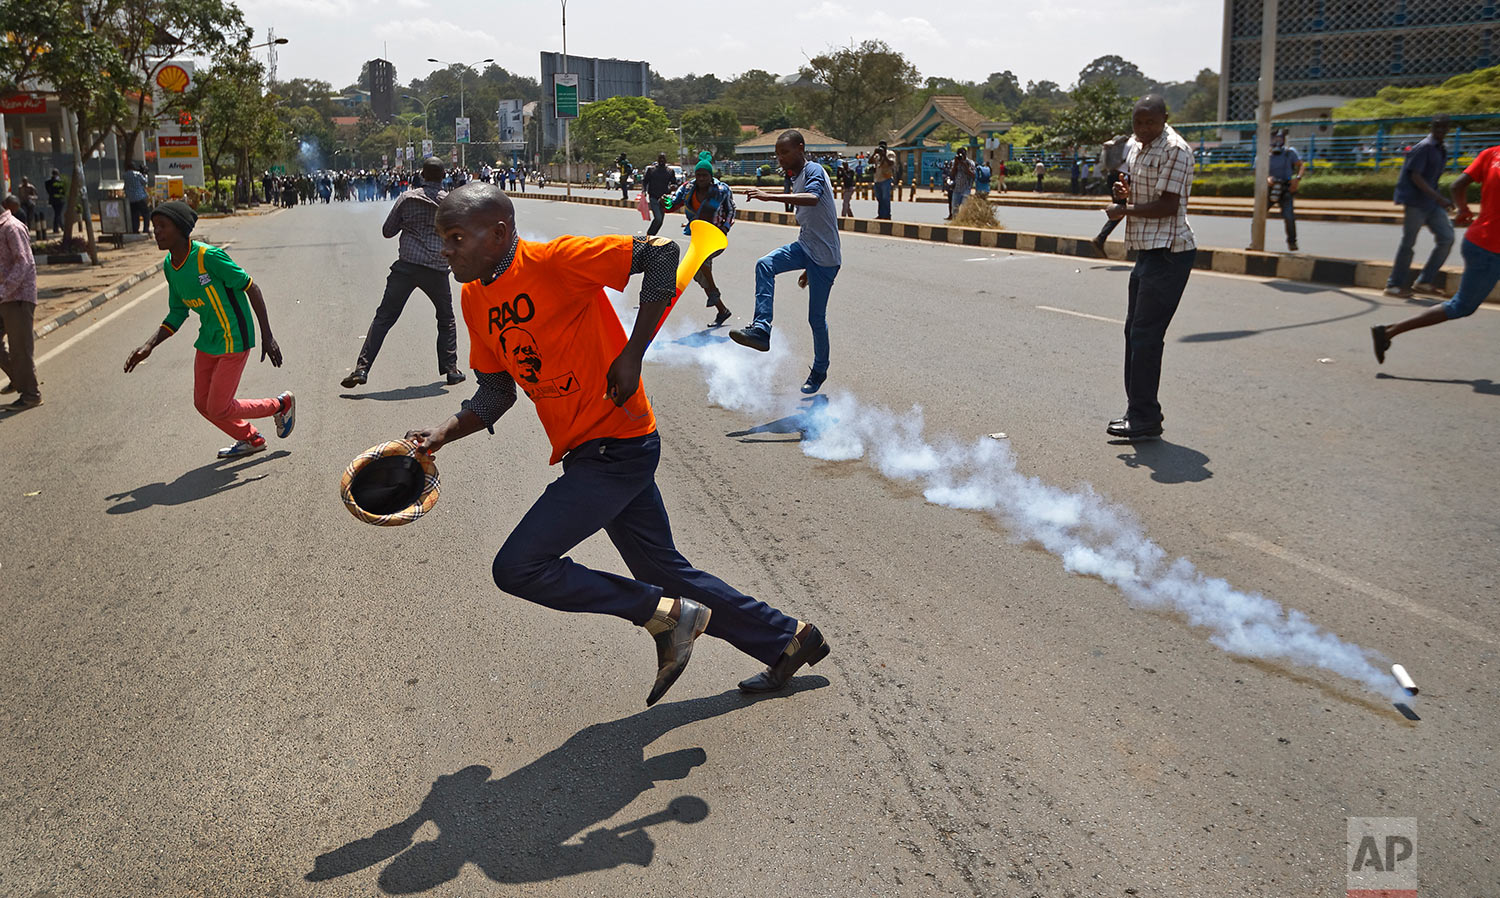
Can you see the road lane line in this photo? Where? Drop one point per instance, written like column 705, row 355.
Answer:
column 110, row 317
column 1081, row 314
column 1379, row 593
column 100, row 323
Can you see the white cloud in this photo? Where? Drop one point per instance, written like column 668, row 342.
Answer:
column 413, row 4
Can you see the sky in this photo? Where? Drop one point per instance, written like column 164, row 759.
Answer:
column 1171, row 40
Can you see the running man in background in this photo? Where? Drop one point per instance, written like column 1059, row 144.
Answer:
column 1481, row 252
column 707, row 198
column 1417, row 190
column 816, row 254
column 658, row 180
column 203, row 279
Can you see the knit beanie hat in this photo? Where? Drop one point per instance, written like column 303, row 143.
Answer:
column 179, row 214
column 705, row 162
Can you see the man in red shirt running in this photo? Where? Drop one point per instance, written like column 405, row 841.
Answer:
column 1481, row 252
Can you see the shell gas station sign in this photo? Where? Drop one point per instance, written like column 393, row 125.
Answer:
column 178, row 151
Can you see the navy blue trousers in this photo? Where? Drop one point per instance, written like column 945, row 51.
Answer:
column 610, row 484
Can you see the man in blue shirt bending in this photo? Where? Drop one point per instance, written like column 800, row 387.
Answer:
column 816, row 254
column 1417, row 190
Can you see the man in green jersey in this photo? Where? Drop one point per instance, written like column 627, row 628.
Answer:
column 203, row 279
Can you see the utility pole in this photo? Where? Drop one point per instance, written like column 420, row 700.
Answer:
column 462, row 152
column 1263, row 125
column 567, row 138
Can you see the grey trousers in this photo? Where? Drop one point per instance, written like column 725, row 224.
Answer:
column 16, row 322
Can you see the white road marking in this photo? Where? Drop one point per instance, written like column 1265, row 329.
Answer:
column 111, row 316
column 100, row 323
column 1379, row 593
column 1081, row 314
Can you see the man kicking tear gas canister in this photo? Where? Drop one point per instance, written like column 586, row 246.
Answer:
column 538, row 317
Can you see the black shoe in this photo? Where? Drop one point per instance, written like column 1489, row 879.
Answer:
column 455, row 377
column 1382, row 342
column 1291, row 246
column 722, row 317
column 355, row 378
column 810, row 649
column 814, row 381
column 1125, row 430
column 24, row 403
column 753, row 337
column 675, row 646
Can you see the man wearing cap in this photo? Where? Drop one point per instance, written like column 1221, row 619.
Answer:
column 420, row 265
column 203, row 279
column 17, row 306
column 538, row 318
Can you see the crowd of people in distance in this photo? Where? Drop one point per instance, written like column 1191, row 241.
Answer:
column 369, row 185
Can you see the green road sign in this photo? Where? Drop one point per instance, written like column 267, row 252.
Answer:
column 565, row 95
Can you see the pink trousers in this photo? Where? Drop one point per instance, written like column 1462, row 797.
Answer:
column 215, row 380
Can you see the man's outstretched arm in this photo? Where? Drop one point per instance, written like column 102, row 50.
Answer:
column 656, row 258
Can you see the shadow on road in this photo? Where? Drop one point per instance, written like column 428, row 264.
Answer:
column 522, row 827
column 1483, row 385
column 424, row 391
column 199, row 483
column 799, row 423
column 1370, row 305
column 1169, row 462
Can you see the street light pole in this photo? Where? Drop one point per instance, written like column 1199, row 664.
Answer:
column 567, row 137
column 1263, row 125
column 462, row 150
column 424, row 105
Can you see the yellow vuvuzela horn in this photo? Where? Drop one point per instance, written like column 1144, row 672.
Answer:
column 706, row 240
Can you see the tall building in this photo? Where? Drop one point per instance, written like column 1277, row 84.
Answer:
column 1330, row 51
column 382, row 88
column 598, row 79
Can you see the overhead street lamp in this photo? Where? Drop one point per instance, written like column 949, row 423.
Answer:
column 424, row 104
column 463, row 67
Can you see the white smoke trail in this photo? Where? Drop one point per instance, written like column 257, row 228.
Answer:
column 1092, row 536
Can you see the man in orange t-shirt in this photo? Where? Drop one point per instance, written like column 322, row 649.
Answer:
column 538, row 318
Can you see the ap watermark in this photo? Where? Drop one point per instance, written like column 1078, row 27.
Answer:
column 1380, row 857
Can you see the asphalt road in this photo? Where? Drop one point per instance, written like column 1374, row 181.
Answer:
column 217, row 682
column 1339, row 240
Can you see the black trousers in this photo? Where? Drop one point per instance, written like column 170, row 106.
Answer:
column 140, row 214
column 1156, row 286
column 658, row 215
column 610, row 485
column 403, row 279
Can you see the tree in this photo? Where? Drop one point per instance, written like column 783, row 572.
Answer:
column 1099, row 112
column 1202, row 102
column 1002, row 89
column 1043, row 90
column 235, row 117
column 677, row 94
column 860, row 85
column 1127, row 77
column 151, row 32
column 754, row 95
column 621, row 124
column 84, row 65
column 715, row 127
column 784, row 115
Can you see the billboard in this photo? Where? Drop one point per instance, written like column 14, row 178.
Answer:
column 512, row 131
column 565, row 95
column 596, row 79
column 461, row 130
column 177, row 149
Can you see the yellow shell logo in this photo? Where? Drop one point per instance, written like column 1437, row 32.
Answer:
column 173, row 79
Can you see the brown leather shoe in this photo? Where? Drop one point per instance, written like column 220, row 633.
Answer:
column 809, row 647
column 675, row 646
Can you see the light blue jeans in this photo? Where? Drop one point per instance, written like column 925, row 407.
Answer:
column 1481, row 274
column 819, row 284
column 1417, row 218
column 958, row 200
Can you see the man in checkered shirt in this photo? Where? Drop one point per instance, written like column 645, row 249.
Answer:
column 1153, row 202
column 421, row 265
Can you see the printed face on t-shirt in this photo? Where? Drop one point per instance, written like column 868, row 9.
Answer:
column 521, row 347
